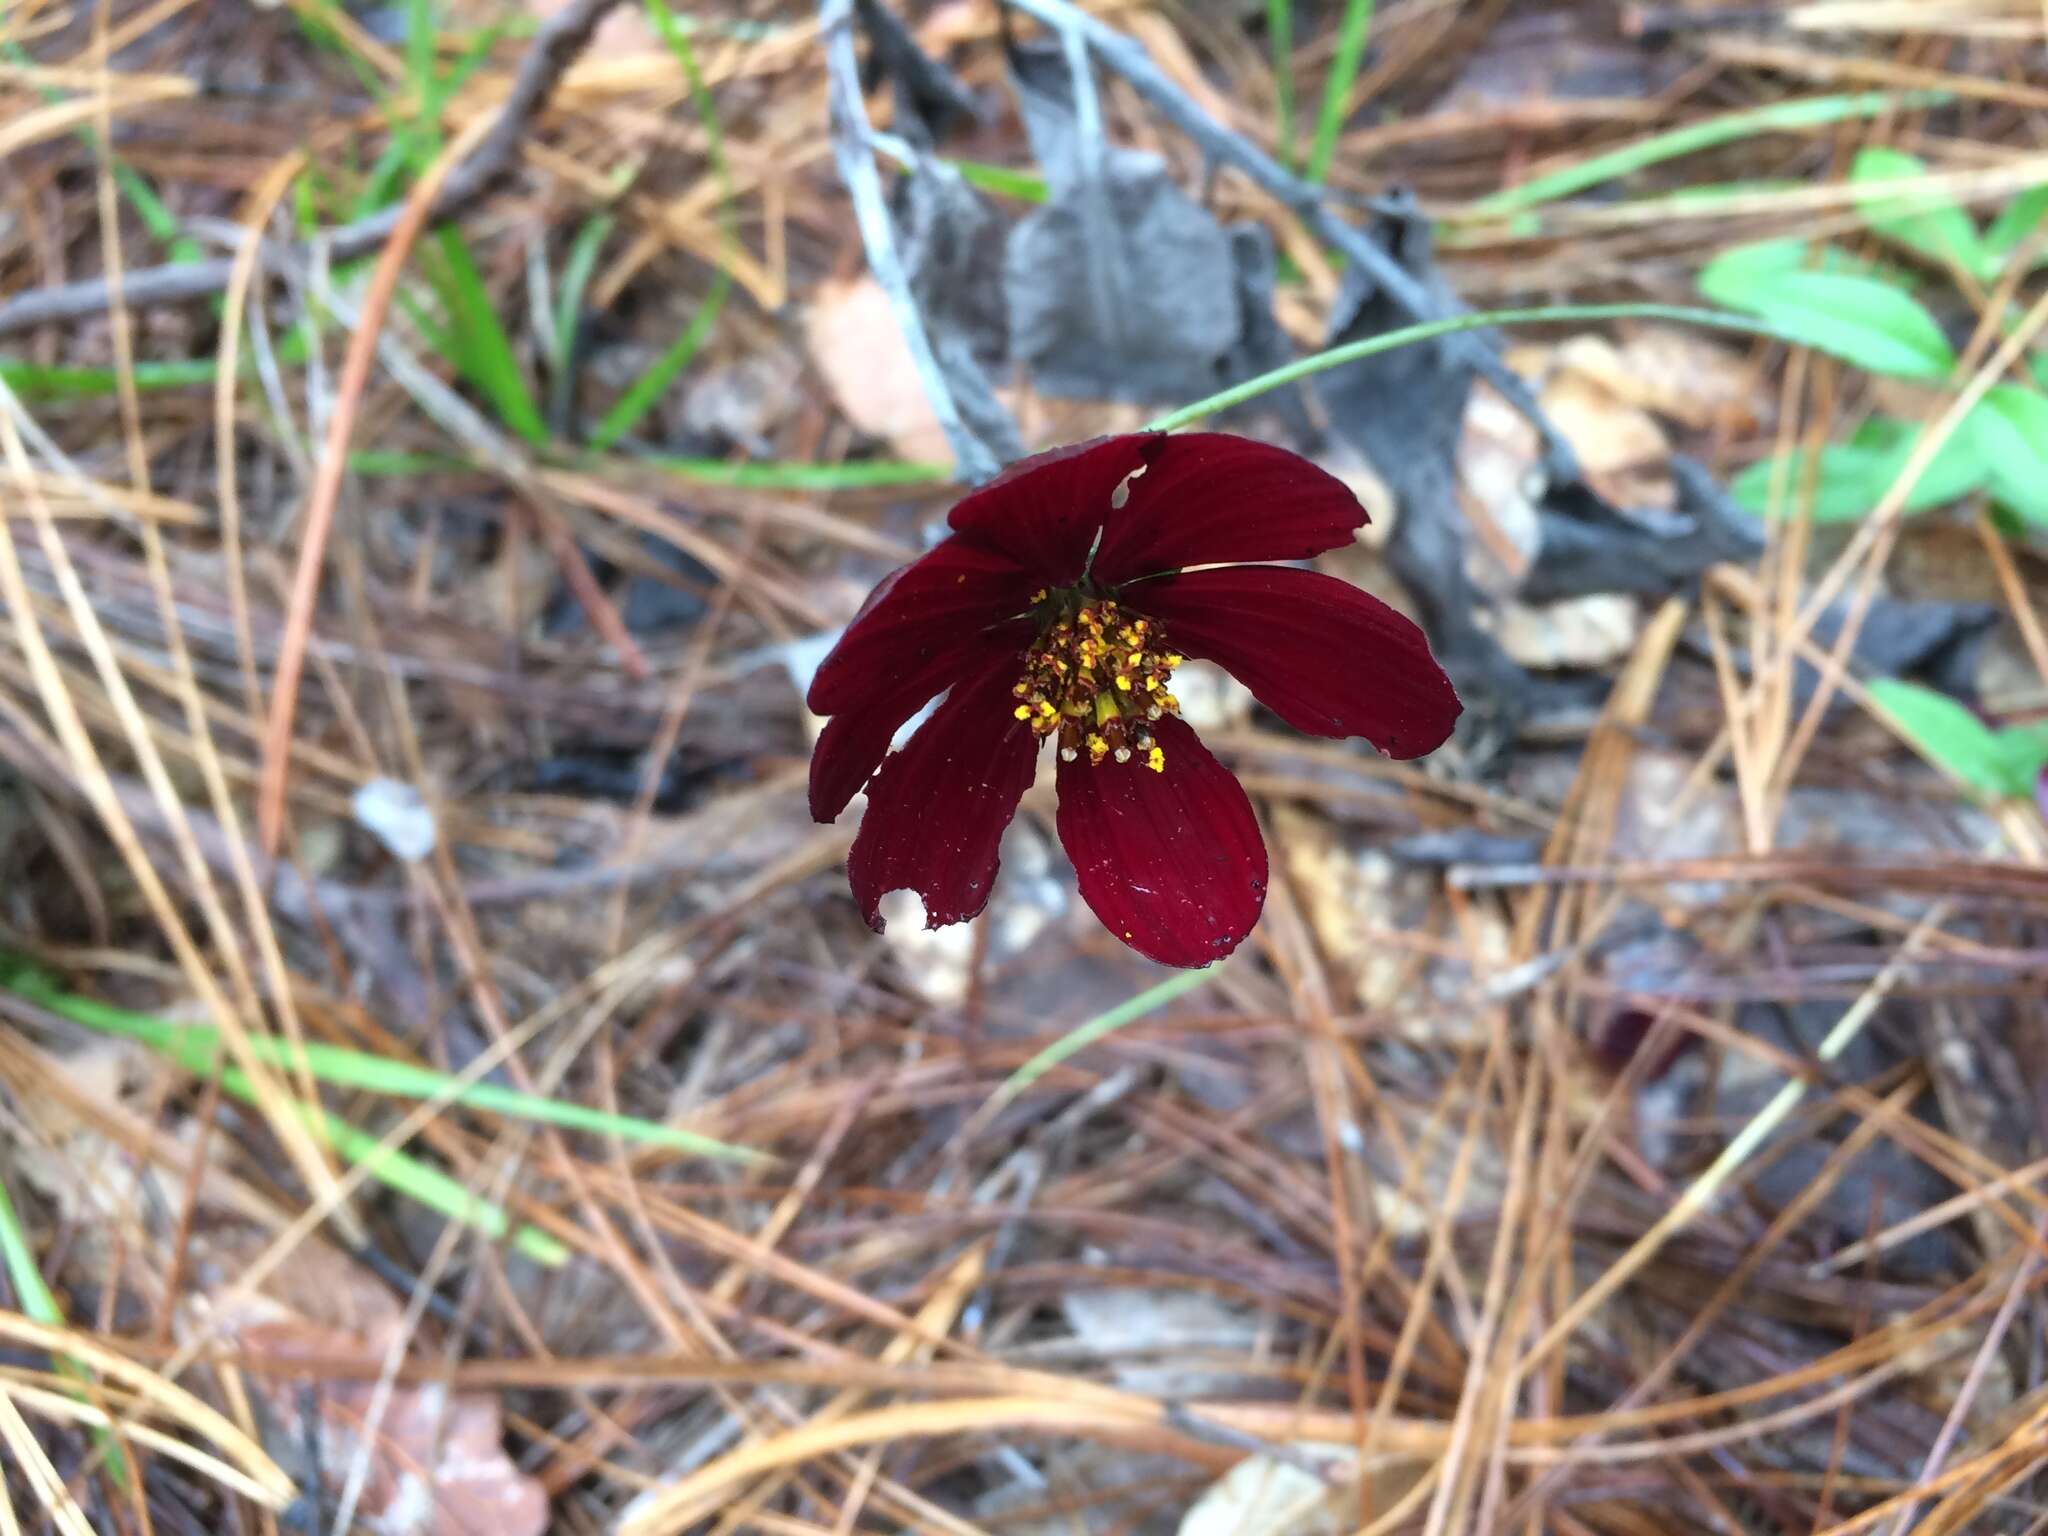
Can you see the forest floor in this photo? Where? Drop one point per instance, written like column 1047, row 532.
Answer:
column 446, row 1087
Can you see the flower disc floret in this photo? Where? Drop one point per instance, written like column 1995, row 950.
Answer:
column 1096, row 677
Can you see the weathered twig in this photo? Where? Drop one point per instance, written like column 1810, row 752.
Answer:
column 852, row 150
column 1309, row 202
column 555, row 46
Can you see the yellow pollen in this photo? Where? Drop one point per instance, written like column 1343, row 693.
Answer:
column 1156, row 760
column 1086, row 673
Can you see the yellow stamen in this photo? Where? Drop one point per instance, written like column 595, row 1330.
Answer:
column 1156, row 760
column 1085, row 675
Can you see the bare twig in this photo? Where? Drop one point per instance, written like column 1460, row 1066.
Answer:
column 1309, row 202
column 852, row 149
column 555, row 46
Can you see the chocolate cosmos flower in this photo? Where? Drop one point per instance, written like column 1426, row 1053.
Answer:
column 1072, row 586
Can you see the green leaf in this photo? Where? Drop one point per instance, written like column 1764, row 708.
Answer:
column 1997, row 763
column 2011, row 429
column 1853, row 477
column 1758, row 262
column 2017, row 220
column 1862, row 320
column 1934, row 226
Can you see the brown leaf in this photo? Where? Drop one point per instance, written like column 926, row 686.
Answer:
column 858, row 350
column 437, row 1460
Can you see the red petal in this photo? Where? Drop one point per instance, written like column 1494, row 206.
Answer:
column 1208, row 498
column 1044, row 511
column 937, row 809
column 1172, row 862
column 855, row 740
column 1319, row 653
column 915, row 615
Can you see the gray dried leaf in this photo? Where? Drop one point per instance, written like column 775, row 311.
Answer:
column 1122, row 286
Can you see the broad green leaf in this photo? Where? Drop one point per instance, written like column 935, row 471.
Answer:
column 1861, row 320
column 1936, row 227
column 2017, row 220
column 1854, row 476
column 1997, row 763
column 2011, row 428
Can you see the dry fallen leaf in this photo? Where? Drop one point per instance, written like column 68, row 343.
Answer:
column 1687, row 376
column 1592, row 631
column 437, row 1460
column 1266, row 1496
column 1610, row 435
column 1177, row 1329
column 861, row 355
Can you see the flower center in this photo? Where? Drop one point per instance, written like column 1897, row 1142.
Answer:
column 1096, row 677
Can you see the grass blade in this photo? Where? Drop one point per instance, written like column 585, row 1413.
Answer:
column 1352, row 33
column 855, row 475
column 1429, row 330
column 1779, row 117
column 197, row 1048
column 640, row 396
column 1280, row 36
column 583, row 253
column 1102, row 1025
column 34, row 382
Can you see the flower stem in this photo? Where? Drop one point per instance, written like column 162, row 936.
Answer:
column 1429, row 330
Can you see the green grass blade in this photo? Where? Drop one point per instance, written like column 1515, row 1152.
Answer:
column 1280, row 36
column 39, row 1303
column 856, row 475
column 1102, row 1025
column 576, row 271
column 34, row 382
column 1351, row 35
column 373, row 462
column 416, row 1180
column 1807, row 112
column 24, row 1275
column 642, row 393
column 197, row 1048
column 1408, row 336
column 1025, row 186
column 487, row 358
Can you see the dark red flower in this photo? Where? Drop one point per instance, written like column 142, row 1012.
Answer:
column 1072, row 586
